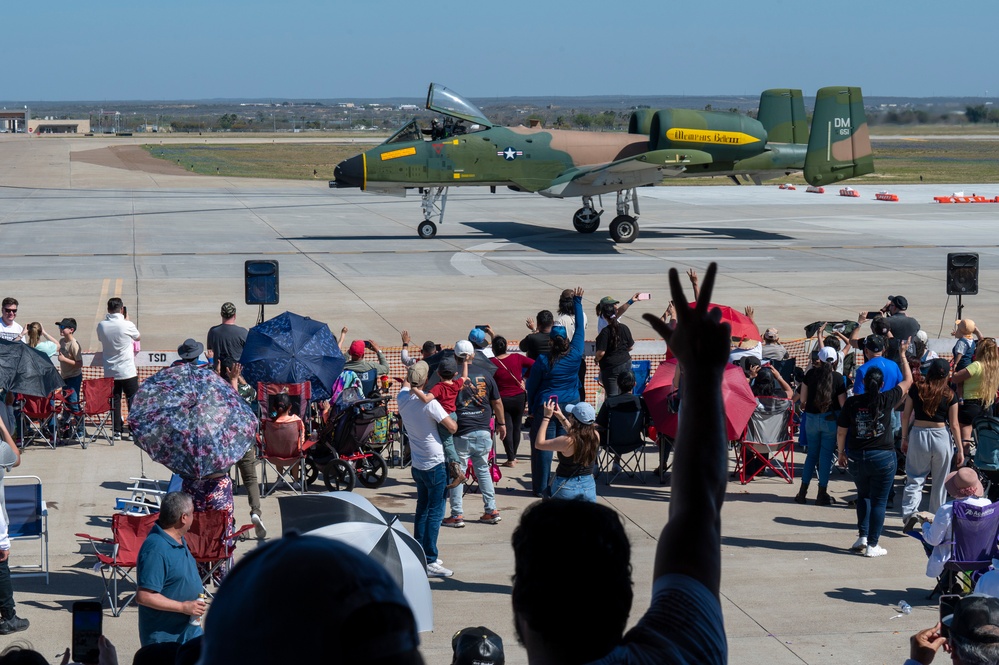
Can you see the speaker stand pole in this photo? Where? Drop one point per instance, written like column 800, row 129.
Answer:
column 960, row 307
column 260, row 315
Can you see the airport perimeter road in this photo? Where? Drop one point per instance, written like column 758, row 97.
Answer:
column 72, row 234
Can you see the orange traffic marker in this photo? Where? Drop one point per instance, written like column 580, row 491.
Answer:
column 885, row 196
column 849, row 191
column 787, row 186
column 812, row 189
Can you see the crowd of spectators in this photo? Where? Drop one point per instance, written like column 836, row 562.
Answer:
column 901, row 406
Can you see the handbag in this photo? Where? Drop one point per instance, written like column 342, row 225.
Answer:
column 519, row 380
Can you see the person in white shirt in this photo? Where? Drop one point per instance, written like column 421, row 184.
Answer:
column 963, row 485
column 117, row 336
column 11, row 331
column 429, row 472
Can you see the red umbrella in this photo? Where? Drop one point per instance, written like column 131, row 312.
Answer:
column 737, row 398
column 742, row 326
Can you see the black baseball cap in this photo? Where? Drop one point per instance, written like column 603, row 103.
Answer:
column 68, row 322
column 477, row 646
column 975, row 619
column 875, row 343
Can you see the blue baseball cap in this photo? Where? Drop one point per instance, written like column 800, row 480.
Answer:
column 477, row 337
column 582, row 412
column 557, row 331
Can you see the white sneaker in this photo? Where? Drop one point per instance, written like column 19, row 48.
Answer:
column 874, row 550
column 258, row 526
column 860, row 545
column 436, row 570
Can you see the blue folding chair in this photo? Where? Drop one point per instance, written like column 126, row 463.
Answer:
column 27, row 519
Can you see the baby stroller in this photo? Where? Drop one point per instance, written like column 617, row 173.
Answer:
column 341, row 452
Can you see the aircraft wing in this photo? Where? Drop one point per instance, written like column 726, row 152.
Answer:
column 643, row 169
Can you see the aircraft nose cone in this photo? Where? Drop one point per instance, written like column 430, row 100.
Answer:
column 350, row 172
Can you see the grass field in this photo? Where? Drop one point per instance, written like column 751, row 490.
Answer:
column 938, row 158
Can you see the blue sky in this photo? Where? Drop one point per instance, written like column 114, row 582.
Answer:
column 117, row 50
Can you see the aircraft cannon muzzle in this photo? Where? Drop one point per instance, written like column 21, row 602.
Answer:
column 350, row 172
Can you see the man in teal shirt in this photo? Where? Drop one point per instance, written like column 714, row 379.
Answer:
column 168, row 580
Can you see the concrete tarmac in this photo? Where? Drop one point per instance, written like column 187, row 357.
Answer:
column 73, row 233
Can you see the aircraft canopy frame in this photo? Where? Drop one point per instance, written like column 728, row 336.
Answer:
column 450, row 103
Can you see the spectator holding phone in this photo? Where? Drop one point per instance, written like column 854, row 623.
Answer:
column 367, row 372
column 613, row 349
column 555, row 374
column 970, row 634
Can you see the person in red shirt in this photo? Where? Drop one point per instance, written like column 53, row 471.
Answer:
column 509, row 377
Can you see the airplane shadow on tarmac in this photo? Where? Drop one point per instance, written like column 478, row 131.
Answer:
column 567, row 241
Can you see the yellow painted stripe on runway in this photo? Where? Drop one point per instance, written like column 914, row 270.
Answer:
column 102, row 308
column 117, row 287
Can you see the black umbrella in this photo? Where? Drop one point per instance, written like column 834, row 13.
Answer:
column 27, row 371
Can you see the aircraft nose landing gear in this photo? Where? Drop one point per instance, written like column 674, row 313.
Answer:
column 427, row 229
column 434, row 201
column 586, row 219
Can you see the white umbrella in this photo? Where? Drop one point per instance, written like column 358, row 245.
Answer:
column 352, row 519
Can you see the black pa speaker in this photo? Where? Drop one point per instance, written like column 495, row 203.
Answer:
column 261, row 282
column 962, row 274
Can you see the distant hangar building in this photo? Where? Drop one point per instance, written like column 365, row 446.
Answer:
column 14, row 121
column 61, row 126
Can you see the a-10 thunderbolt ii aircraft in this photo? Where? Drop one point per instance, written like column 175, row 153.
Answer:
column 465, row 148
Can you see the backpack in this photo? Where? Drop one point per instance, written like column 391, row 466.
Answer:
column 985, row 431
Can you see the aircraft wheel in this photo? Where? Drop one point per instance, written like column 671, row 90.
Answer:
column 624, row 229
column 586, row 220
column 427, row 229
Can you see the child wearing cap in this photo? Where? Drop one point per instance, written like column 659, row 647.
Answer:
column 71, row 369
column 964, row 348
column 446, row 391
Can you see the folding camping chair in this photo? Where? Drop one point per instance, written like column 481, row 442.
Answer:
column 69, row 416
column 283, row 450
column 27, row 519
column 299, row 393
column 622, row 442
column 147, row 495
column 97, row 394
column 38, row 420
column 120, row 555
column 974, row 543
column 768, row 442
column 211, row 543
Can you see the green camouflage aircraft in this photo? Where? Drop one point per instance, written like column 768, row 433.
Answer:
column 465, row 148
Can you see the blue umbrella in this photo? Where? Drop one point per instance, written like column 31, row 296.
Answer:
column 292, row 349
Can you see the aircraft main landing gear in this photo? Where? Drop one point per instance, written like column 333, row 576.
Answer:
column 586, row 219
column 434, row 200
column 427, row 229
column 624, row 227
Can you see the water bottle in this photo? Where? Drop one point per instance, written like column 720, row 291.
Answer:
column 904, row 607
column 196, row 621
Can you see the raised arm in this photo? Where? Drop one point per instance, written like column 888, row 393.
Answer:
column 579, row 336
column 690, row 543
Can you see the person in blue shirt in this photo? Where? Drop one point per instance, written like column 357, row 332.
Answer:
column 167, row 577
column 554, row 374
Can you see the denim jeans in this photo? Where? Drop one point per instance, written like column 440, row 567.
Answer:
column 72, row 392
column 873, row 473
column 474, row 445
column 541, row 460
column 431, row 498
column 821, row 435
column 580, row 487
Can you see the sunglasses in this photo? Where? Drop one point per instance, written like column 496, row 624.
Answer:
column 9, row 311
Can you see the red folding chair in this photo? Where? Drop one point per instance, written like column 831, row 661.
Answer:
column 299, row 393
column 211, row 542
column 119, row 554
column 97, row 395
column 283, row 448
column 768, row 442
column 38, row 419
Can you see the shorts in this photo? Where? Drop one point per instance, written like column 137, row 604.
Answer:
column 968, row 410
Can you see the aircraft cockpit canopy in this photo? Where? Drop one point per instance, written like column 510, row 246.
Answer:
column 452, row 104
column 410, row 132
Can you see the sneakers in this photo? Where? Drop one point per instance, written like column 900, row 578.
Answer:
column 436, row 570
column 116, row 437
column 910, row 523
column 455, row 522
column 490, row 517
column 258, row 526
column 15, row 624
column 860, row 545
column 874, row 550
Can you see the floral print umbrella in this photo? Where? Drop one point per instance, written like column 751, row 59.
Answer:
column 191, row 421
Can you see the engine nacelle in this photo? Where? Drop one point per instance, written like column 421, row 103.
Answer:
column 726, row 136
column 641, row 121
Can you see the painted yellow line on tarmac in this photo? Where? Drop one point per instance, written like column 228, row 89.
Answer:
column 101, row 311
